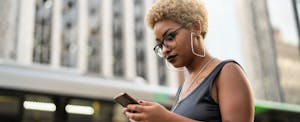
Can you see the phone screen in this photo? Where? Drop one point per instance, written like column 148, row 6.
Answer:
column 124, row 99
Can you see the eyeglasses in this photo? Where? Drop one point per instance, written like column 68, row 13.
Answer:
column 168, row 40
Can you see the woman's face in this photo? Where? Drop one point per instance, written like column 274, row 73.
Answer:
column 174, row 40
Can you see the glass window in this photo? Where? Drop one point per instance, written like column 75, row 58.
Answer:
column 94, row 39
column 69, row 33
column 16, row 106
column 42, row 31
column 118, row 38
column 9, row 108
column 80, row 110
column 38, row 109
column 140, row 38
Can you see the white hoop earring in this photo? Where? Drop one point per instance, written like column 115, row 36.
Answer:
column 192, row 45
column 172, row 68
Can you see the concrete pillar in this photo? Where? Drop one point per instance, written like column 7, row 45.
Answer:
column 56, row 34
column 82, row 36
column 129, row 38
column 151, row 61
column 8, row 32
column 25, row 32
column 107, row 54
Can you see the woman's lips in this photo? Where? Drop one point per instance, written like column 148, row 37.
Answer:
column 171, row 58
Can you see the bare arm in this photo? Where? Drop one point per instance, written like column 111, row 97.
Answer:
column 234, row 95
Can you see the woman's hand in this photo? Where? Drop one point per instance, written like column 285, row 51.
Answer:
column 146, row 112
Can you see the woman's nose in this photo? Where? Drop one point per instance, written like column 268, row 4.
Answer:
column 166, row 50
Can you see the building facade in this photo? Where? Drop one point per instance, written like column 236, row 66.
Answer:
column 95, row 37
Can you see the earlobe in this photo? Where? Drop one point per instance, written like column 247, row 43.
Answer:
column 195, row 36
column 192, row 44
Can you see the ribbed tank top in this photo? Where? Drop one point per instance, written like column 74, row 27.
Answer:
column 199, row 104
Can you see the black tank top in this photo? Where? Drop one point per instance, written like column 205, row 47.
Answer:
column 199, row 104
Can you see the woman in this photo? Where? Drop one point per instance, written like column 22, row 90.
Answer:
column 215, row 90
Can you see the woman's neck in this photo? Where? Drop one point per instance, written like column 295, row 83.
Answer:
column 197, row 63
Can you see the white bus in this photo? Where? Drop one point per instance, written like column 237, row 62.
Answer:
column 30, row 94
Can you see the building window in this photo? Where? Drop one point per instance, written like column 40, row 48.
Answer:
column 140, row 38
column 42, row 31
column 118, row 38
column 94, row 36
column 69, row 33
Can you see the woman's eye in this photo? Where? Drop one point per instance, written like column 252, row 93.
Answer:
column 160, row 45
column 171, row 37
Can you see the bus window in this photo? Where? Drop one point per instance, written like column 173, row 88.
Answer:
column 9, row 108
column 38, row 109
column 80, row 110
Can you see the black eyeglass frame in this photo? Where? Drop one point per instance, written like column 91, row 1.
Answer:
column 160, row 45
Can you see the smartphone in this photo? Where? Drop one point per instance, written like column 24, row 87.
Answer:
column 124, row 99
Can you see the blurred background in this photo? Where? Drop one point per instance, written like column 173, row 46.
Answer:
column 64, row 60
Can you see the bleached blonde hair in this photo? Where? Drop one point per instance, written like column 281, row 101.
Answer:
column 180, row 11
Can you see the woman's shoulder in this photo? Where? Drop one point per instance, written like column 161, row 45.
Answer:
column 231, row 72
column 226, row 66
column 234, row 92
column 233, row 81
column 232, row 66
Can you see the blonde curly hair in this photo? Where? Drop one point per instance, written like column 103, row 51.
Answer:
column 180, row 11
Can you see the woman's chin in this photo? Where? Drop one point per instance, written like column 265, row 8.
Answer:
column 177, row 65
column 174, row 64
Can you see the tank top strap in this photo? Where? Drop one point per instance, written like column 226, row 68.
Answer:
column 214, row 74
column 177, row 96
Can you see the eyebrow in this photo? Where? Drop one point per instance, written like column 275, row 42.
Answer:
column 157, row 40
column 164, row 34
